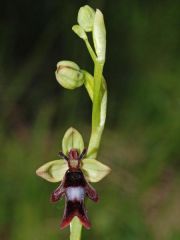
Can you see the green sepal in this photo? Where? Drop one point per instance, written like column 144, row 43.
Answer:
column 94, row 170
column 53, row 171
column 72, row 139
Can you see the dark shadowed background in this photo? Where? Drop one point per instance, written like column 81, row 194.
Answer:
column 141, row 142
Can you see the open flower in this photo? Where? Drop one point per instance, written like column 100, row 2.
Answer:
column 74, row 171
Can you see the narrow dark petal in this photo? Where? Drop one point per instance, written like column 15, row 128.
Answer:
column 91, row 192
column 61, row 154
column 81, row 156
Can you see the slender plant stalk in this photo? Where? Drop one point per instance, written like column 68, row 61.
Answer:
column 97, row 129
column 75, row 229
column 96, row 97
column 91, row 52
column 96, row 88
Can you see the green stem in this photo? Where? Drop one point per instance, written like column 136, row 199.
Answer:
column 97, row 91
column 75, row 229
column 96, row 97
column 99, row 94
column 96, row 88
column 90, row 50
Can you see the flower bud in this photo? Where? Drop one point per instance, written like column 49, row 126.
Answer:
column 79, row 31
column 99, row 36
column 69, row 75
column 86, row 18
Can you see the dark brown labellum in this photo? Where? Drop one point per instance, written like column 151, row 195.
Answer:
column 75, row 188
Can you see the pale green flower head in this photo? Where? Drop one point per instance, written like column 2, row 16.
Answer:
column 54, row 171
column 69, row 75
column 86, row 18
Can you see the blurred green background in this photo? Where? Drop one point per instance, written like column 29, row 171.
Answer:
column 140, row 198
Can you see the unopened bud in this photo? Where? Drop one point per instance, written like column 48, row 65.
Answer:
column 86, row 18
column 79, row 31
column 99, row 36
column 69, row 75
